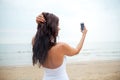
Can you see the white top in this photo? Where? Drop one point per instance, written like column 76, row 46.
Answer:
column 57, row 73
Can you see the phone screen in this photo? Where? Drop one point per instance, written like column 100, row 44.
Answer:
column 82, row 26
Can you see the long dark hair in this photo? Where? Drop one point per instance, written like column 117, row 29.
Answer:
column 45, row 38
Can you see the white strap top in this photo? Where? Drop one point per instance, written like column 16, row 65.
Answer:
column 57, row 73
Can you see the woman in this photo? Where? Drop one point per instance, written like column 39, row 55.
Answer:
column 49, row 53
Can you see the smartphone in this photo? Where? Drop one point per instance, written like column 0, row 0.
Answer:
column 82, row 26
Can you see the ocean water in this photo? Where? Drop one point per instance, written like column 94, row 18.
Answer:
column 15, row 54
column 21, row 54
column 98, row 51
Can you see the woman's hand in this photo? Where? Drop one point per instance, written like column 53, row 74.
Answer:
column 84, row 31
column 40, row 19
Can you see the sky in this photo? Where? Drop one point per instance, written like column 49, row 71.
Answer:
column 101, row 18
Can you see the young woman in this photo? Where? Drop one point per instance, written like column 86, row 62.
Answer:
column 49, row 53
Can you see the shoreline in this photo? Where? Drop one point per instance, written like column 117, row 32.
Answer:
column 68, row 63
column 84, row 70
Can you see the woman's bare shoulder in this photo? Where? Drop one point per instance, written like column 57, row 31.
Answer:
column 59, row 47
column 61, row 44
column 66, row 49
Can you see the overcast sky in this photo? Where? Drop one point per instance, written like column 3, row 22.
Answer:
column 101, row 17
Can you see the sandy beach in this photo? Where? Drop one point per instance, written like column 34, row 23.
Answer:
column 92, row 70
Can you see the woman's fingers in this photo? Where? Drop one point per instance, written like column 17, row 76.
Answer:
column 84, row 31
column 40, row 19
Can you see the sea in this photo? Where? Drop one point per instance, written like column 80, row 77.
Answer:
column 21, row 54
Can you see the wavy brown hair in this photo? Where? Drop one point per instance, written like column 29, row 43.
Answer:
column 45, row 38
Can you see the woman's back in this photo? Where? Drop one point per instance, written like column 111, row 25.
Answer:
column 54, row 58
column 55, row 65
